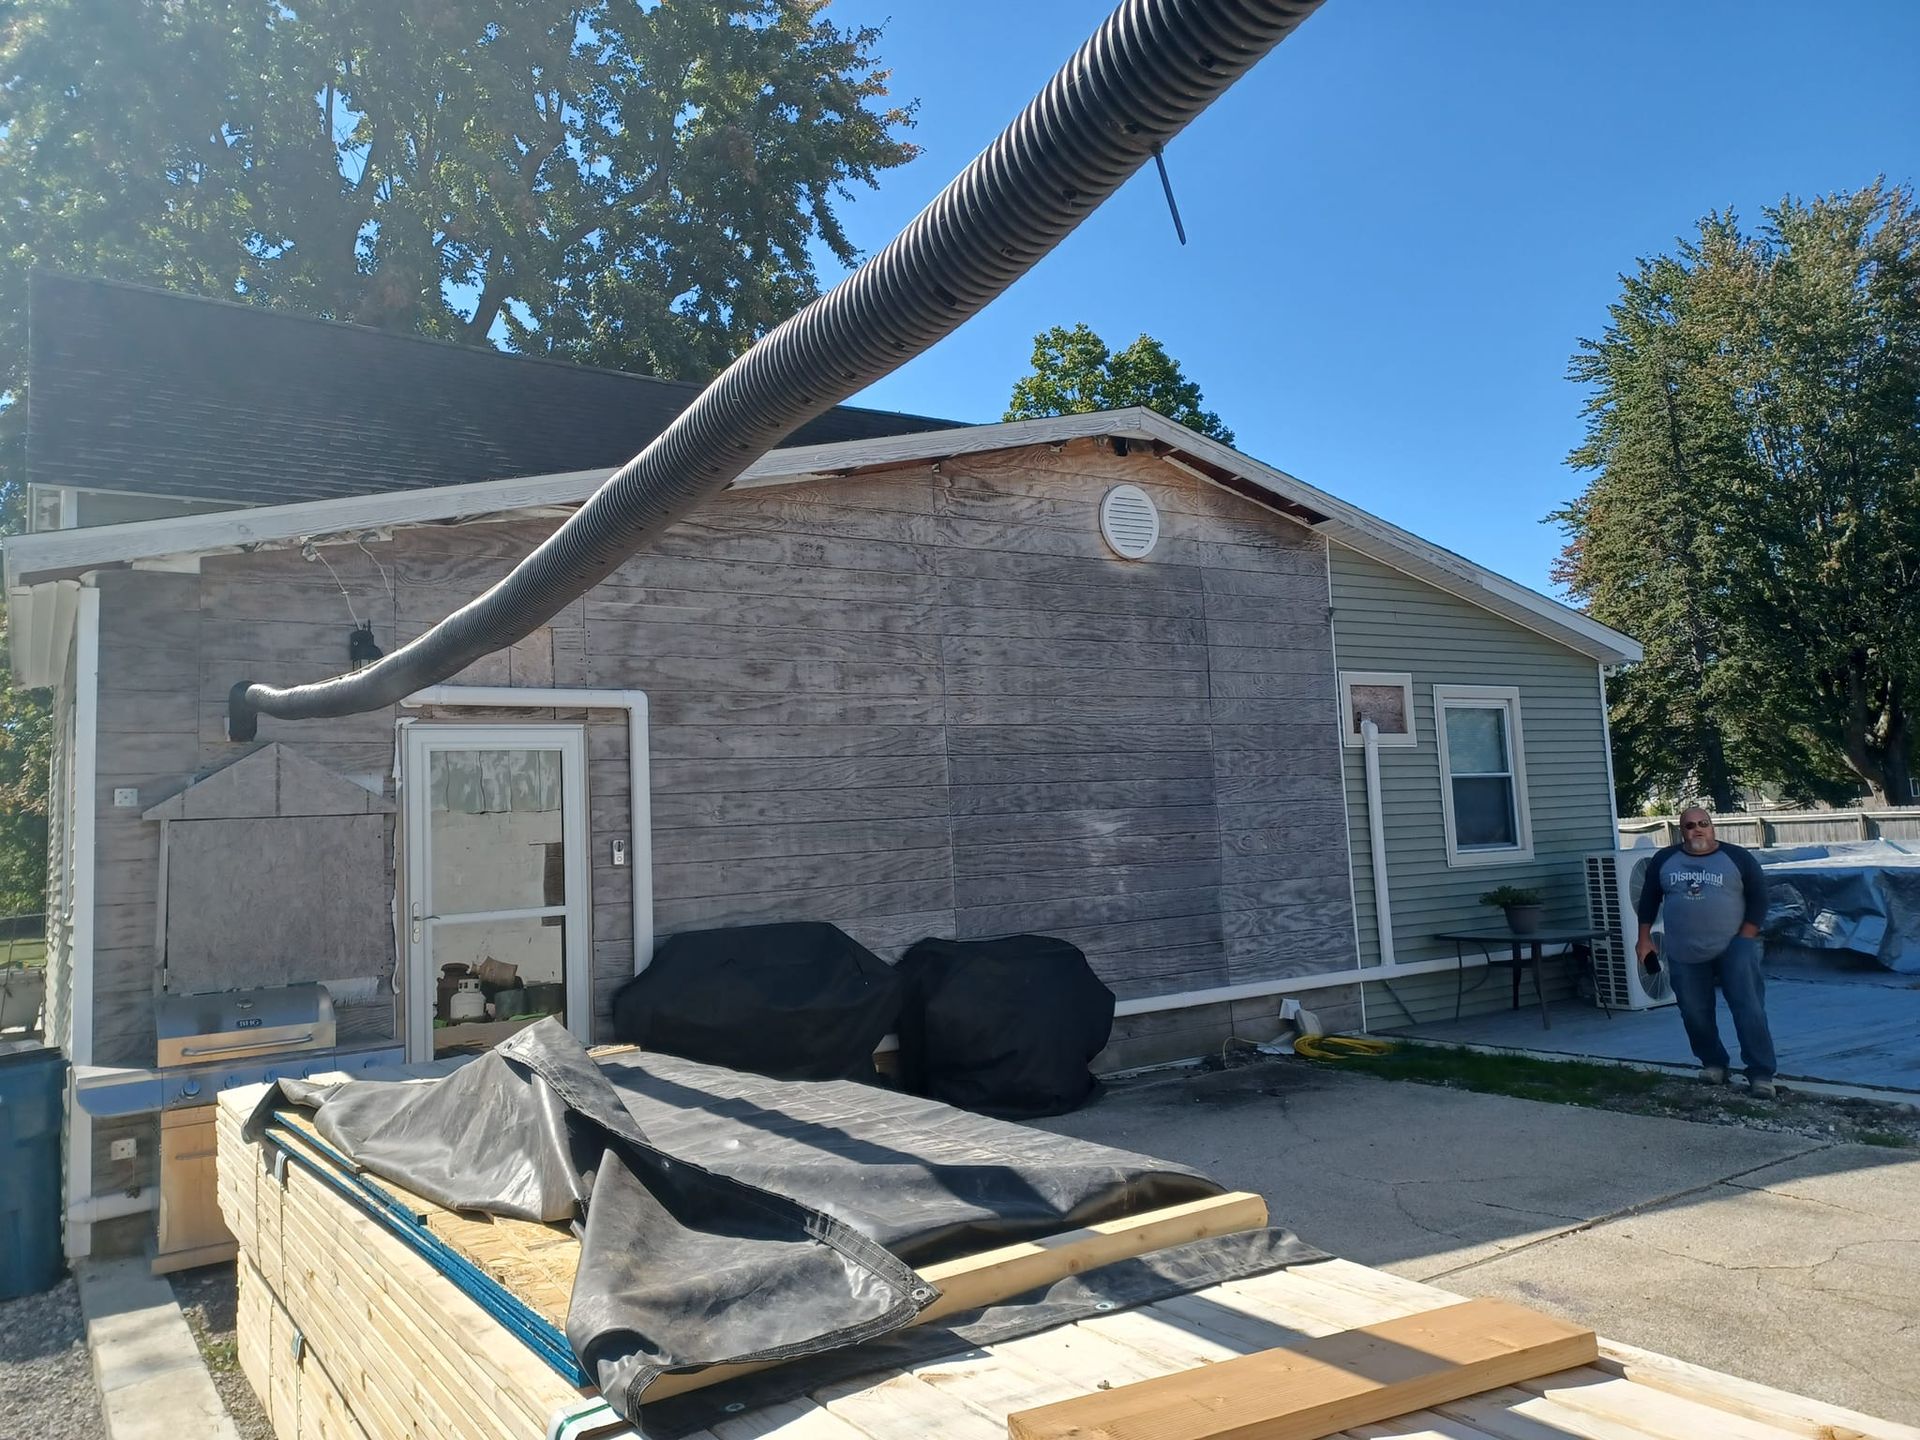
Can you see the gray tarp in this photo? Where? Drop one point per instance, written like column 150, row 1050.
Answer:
column 723, row 1217
column 1863, row 898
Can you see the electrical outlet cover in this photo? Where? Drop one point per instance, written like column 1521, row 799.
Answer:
column 126, row 797
column 124, row 1149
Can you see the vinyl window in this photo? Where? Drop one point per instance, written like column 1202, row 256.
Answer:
column 1386, row 698
column 1483, row 774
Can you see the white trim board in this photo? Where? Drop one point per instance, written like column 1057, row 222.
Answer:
column 1291, row 985
column 73, row 551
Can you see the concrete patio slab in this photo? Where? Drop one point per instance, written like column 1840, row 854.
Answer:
column 1850, row 1027
column 1789, row 1261
column 1753, row 1281
column 1414, row 1178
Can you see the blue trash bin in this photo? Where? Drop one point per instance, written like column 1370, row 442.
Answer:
column 33, row 1087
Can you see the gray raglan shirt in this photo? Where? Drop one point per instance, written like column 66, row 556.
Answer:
column 1706, row 898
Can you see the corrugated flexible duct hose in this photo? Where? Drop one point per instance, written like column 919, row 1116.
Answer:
column 1150, row 68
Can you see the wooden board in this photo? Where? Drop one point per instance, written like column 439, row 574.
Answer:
column 1305, row 1392
column 191, row 1231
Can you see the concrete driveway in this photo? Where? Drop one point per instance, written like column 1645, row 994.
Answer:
column 1786, row 1260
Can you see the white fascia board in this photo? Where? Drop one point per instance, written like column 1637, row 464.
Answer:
column 72, row 550
column 103, row 545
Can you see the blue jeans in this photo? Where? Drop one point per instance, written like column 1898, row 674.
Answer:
column 1738, row 975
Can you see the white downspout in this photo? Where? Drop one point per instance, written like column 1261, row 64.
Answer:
column 1606, row 744
column 1377, row 836
column 639, row 782
column 85, row 778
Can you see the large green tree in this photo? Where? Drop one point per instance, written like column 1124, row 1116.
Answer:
column 641, row 183
column 1075, row 372
column 1753, row 516
column 638, row 183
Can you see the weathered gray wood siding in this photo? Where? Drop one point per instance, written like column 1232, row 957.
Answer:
column 925, row 702
column 1386, row 621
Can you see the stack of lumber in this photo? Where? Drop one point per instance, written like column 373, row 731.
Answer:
column 386, row 1337
column 348, row 1334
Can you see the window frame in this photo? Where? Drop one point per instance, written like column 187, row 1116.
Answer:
column 1485, row 697
column 1350, row 735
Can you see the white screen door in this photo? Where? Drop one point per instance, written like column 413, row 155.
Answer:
column 497, row 884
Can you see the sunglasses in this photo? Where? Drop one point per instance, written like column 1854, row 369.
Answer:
column 1696, row 824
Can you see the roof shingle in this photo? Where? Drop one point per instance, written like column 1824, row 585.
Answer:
column 151, row 392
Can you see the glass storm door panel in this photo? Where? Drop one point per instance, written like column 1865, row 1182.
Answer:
column 497, row 915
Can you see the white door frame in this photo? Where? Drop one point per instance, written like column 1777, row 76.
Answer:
column 416, row 924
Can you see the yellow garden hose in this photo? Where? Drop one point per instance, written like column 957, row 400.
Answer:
column 1338, row 1047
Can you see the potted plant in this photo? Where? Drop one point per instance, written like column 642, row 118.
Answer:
column 1523, row 907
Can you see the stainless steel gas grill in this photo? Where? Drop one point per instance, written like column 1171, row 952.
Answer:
column 205, row 1044
column 208, row 1043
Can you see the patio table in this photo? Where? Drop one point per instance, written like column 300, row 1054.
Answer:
column 1524, row 952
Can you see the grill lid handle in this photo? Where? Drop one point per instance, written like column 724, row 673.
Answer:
column 276, row 1042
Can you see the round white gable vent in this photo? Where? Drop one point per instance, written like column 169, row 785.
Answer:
column 1129, row 522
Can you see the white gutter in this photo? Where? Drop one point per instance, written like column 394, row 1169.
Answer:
column 1377, row 839
column 639, row 791
column 85, row 781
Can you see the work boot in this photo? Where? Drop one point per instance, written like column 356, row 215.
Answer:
column 1762, row 1088
column 1714, row 1074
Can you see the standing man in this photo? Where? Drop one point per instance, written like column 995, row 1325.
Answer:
column 1716, row 900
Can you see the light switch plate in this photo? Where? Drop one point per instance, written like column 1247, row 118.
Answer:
column 126, row 797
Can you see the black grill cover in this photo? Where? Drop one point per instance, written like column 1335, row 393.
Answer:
column 798, row 1001
column 1005, row 1027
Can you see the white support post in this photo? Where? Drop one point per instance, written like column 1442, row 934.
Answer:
column 85, row 780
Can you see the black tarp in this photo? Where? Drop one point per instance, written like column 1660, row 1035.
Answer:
column 723, row 1217
column 801, row 1000
column 1006, row 1027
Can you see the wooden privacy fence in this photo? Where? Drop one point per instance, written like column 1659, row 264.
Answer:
column 1795, row 827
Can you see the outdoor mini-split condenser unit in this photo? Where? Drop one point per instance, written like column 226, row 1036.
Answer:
column 1614, row 878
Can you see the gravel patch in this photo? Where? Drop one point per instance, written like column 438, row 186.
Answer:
column 1842, row 1119
column 207, row 1299
column 46, row 1381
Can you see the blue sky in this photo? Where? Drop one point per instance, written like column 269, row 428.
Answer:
column 1402, row 221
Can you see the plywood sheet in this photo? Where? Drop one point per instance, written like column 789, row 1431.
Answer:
column 270, row 902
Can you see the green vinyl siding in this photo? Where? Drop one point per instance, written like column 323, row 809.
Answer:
column 1386, row 621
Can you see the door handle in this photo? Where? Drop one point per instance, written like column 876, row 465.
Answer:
column 416, row 922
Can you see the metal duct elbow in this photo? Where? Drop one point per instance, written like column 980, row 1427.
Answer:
column 1150, row 68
